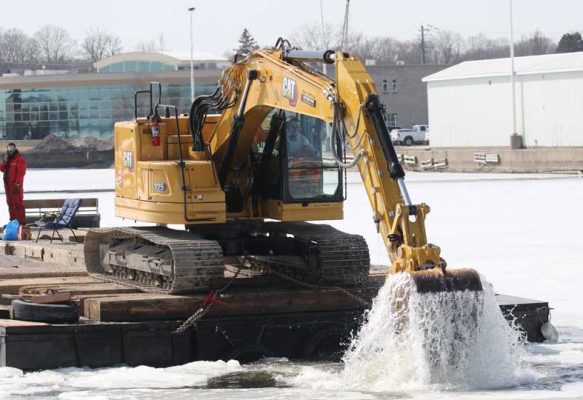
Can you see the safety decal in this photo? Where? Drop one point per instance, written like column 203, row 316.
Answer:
column 128, row 160
column 290, row 90
column 308, row 99
column 159, row 187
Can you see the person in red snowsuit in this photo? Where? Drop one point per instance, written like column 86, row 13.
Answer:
column 14, row 168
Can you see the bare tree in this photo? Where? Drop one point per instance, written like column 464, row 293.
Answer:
column 99, row 44
column 152, row 45
column 313, row 37
column 54, row 43
column 535, row 44
column 384, row 50
column 480, row 47
column 440, row 46
column 17, row 47
column 447, row 47
column 408, row 52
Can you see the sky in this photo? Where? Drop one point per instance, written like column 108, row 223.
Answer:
column 219, row 23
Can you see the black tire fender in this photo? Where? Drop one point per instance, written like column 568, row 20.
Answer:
column 249, row 353
column 408, row 141
column 50, row 313
column 321, row 342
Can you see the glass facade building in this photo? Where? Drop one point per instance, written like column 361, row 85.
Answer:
column 69, row 112
column 74, row 105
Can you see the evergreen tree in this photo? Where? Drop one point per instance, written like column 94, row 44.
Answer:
column 246, row 43
column 570, row 42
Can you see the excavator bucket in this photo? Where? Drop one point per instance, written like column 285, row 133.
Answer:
column 437, row 280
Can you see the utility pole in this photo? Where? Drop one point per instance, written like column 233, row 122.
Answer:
column 422, row 45
column 516, row 140
column 191, row 11
column 324, row 39
column 512, row 72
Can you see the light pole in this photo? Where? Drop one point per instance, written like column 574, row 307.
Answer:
column 191, row 11
column 514, row 140
column 324, row 39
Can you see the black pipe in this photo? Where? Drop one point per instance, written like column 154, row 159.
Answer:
column 373, row 105
column 150, row 91
column 325, row 56
column 136, row 101
column 236, row 130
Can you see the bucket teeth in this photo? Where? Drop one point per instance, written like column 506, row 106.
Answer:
column 436, row 280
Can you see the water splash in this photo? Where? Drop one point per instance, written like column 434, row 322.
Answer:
column 449, row 340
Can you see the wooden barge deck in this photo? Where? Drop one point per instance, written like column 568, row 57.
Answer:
column 257, row 316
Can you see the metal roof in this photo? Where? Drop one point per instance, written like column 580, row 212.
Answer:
column 113, row 78
column 163, row 57
column 543, row 64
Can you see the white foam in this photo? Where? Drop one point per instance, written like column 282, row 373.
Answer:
column 85, row 382
column 9, row 372
column 447, row 340
column 194, row 374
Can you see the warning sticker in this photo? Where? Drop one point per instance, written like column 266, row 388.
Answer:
column 309, row 100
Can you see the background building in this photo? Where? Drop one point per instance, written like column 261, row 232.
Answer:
column 35, row 103
column 403, row 93
column 470, row 104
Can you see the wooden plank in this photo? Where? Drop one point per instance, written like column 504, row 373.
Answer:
column 82, row 300
column 161, row 307
column 7, row 323
column 52, row 298
column 66, row 254
column 12, row 286
column 25, row 249
column 38, row 274
column 69, row 254
column 77, row 289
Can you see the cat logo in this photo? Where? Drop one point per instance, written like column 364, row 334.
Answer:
column 290, row 90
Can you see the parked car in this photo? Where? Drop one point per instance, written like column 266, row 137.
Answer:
column 418, row 134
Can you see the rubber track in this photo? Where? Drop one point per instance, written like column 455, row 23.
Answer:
column 343, row 258
column 197, row 263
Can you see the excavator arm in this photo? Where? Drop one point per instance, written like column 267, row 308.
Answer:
column 400, row 222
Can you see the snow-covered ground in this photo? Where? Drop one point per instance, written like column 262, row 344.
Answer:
column 522, row 232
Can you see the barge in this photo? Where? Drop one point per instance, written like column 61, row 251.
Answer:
column 257, row 316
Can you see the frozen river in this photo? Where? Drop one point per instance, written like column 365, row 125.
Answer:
column 521, row 232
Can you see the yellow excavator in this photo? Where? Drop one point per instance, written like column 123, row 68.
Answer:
column 245, row 170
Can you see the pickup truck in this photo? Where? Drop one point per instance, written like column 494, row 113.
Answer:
column 418, row 134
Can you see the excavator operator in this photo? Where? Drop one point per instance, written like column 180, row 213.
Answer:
column 297, row 144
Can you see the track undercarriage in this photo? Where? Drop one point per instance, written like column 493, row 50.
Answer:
column 163, row 260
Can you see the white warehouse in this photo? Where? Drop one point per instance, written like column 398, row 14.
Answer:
column 470, row 104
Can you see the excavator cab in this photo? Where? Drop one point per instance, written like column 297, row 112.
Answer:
column 311, row 173
column 293, row 163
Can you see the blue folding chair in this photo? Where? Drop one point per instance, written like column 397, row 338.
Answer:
column 62, row 219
